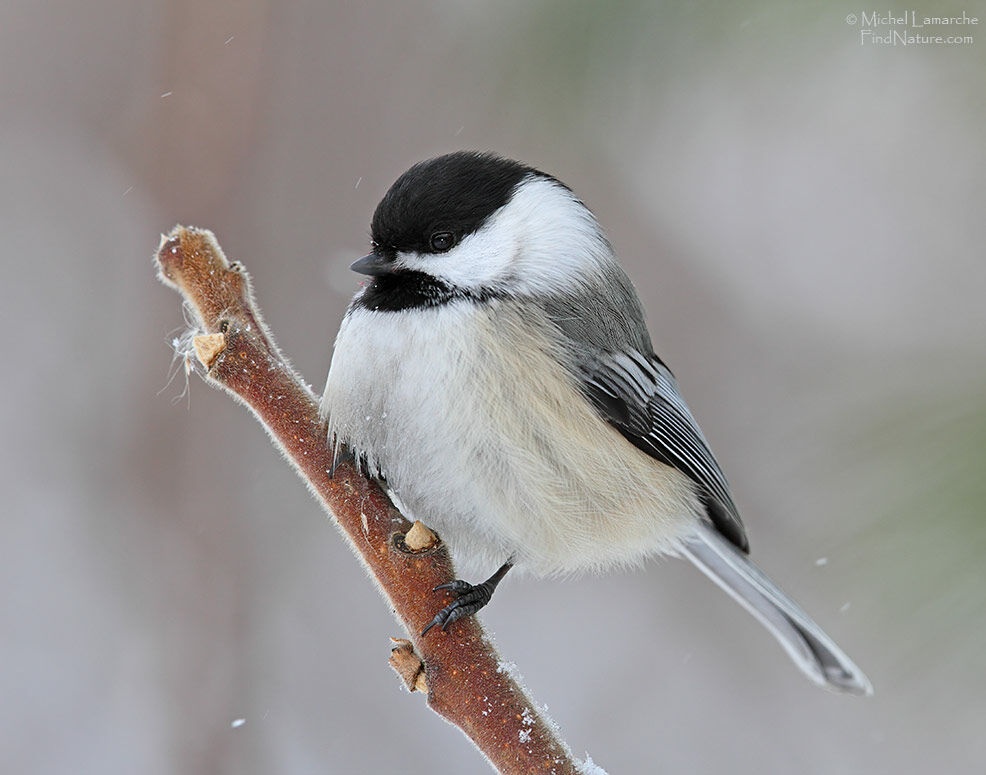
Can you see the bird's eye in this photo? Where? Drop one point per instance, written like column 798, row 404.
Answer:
column 442, row 241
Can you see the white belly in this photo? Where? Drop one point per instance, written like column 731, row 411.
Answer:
column 494, row 446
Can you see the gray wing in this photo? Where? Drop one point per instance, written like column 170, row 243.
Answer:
column 610, row 352
column 638, row 396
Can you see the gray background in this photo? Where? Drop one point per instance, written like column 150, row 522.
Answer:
column 803, row 218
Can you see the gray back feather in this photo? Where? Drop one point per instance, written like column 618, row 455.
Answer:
column 604, row 341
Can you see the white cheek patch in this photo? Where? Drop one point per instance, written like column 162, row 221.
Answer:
column 542, row 240
column 476, row 262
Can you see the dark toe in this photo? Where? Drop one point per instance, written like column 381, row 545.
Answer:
column 471, row 597
column 459, row 586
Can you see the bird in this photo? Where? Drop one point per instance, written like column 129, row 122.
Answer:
column 496, row 375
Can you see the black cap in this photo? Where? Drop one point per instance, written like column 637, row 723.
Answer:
column 454, row 193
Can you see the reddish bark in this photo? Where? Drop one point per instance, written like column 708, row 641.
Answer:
column 465, row 681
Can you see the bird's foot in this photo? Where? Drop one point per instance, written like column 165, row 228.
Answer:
column 469, row 599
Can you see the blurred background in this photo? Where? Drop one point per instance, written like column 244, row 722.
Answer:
column 801, row 209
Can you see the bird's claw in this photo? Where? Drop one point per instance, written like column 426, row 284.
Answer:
column 469, row 599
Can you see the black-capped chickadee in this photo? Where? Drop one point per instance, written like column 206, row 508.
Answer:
column 497, row 373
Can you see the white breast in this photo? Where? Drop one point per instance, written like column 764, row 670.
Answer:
column 482, row 434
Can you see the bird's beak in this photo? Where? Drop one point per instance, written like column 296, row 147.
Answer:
column 373, row 265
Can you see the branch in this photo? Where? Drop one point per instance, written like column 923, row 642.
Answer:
column 460, row 670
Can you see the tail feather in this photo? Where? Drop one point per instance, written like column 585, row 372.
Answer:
column 810, row 648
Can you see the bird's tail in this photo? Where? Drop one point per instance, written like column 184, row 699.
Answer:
column 810, row 648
